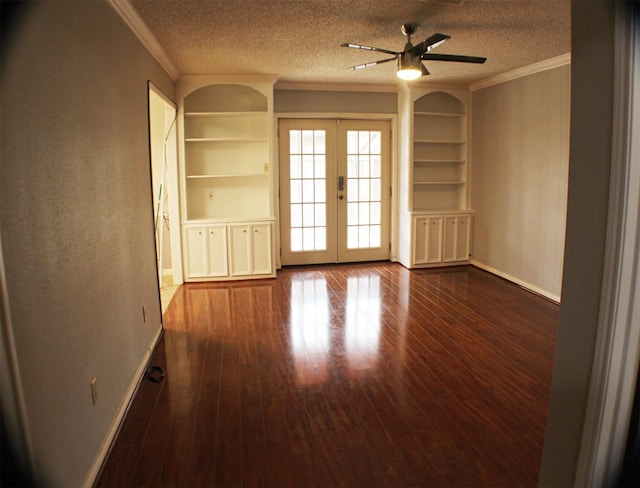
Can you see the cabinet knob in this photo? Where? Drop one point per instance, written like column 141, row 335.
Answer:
column 255, row 230
column 244, row 230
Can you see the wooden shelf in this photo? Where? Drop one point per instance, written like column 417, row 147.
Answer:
column 236, row 175
column 223, row 114
column 226, row 139
column 439, row 161
column 455, row 182
column 434, row 141
column 440, row 211
column 438, row 114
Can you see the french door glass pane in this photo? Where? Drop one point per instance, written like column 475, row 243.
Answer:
column 296, row 215
column 307, row 159
column 364, row 184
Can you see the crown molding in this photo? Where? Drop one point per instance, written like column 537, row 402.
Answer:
column 545, row 65
column 131, row 17
column 345, row 87
column 205, row 78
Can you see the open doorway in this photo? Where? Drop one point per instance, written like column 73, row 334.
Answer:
column 164, row 178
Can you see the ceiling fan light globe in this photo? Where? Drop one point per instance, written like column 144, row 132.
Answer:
column 409, row 74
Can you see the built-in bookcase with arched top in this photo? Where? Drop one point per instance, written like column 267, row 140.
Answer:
column 227, row 187
column 226, row 153
column 439, row 153
column 435, row 222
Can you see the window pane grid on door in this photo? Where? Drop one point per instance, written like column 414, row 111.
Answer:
column 364, row 185
column 308, row 193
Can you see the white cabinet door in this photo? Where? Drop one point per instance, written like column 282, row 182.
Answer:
column 261, row 249
column 250, row 249
column 228, row 250
column 449, row 240
column 196, row 256
column 420, row 240
column 217, row 241
column 434, row 240
column 463, row 237
column 428, row 240
column 456, row 238
column 240, row 249
column 441, row 239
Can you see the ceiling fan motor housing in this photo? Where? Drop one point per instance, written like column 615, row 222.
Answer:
column 407, row 60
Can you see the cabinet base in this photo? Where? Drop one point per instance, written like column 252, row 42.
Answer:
column 230, row 278
column 437, row 265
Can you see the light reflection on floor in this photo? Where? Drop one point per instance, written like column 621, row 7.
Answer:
column 309, row 325
column 316, row 334
column 362, row 326
column 167, row 290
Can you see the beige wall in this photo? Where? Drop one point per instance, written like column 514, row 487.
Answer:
column 76, row 222
column 520, row 157
column 303, row 101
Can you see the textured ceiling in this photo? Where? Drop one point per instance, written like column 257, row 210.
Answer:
column 299, row 40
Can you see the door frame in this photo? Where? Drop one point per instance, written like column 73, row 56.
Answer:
column 171, row 182
column 614, row 373
column 393, row 210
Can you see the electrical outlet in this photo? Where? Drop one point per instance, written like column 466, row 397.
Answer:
column 94, row 391
column 144, row 313
column 210, row 194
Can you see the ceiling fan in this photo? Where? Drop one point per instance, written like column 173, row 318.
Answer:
column 410, row 65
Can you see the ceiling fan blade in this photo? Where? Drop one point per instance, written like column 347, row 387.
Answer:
column 373, row 63
column 368, row 48
column 429, row 43
column 452, row 57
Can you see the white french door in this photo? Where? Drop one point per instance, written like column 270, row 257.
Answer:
column 334, row 190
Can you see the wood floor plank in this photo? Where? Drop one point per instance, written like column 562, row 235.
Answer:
column 344, row 375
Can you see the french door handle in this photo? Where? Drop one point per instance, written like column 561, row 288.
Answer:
column 341, row 196
column 340, row 183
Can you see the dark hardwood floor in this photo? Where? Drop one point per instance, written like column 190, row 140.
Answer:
column 346, row 375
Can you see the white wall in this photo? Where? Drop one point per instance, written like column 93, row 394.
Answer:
column 76, row 223
column 520, row 158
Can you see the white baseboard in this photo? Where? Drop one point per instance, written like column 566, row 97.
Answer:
column 115, row 424
column 519, row 282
